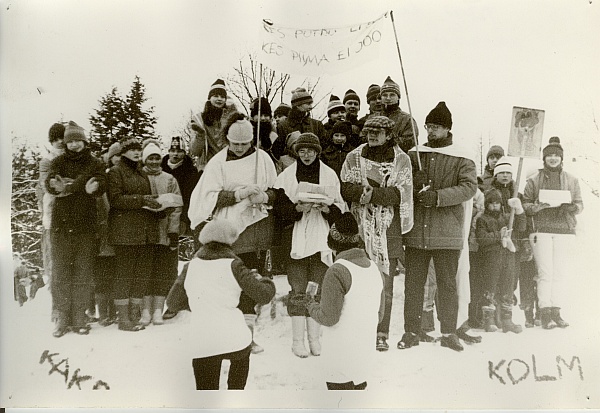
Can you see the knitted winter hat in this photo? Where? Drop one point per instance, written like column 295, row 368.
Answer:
column 378, row 122
column 240, row 132
column 503, row 165
column 265, row 107
column 300, row 96
column 74, row 132
column 492, row 196
column 440, row 115
column 150, row 147
column 343, row 234
column 176, row 143
column 351, row 95
column 344, row 127
column 495, row 150
column 219, row 230
column 390, row 86
column 308, row 140
column 282, row 110
column 129, row 144
column 114, row 149
column 335, row 105
column 553, row 148
column 373, row 92
column 56, row 132
column 217, row 89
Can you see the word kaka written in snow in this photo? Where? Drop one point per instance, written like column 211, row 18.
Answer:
column 62, row 368
column 518, row 370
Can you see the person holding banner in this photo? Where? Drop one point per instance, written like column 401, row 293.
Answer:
column 305, row 218
column 236, row 184
column 376, row 178
column 404, row 135
column 552, row 197
column 443, row 189
column 207, row 139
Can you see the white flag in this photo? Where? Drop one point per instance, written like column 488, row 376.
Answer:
column 313, row 52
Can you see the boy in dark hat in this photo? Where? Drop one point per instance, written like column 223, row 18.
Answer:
column 375, row 106
column 335, row 152
column 390, row 99
column 494, row 153
column 281, row 113
column 352, row 103
column 336, row 111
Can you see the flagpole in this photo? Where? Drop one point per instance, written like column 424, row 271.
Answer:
column 258, row 123
column 412, row 126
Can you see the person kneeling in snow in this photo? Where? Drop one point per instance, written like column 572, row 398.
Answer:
column 351, row 297
column 215, row 279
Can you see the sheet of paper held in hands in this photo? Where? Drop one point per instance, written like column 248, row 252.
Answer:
column 167, row 201
column 320, row 194
column 554, row 197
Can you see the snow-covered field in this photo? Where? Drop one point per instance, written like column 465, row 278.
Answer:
column 535, row 369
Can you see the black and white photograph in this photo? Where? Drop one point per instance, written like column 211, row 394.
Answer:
column 302, row 205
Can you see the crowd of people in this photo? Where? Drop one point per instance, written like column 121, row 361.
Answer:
column 341, row 207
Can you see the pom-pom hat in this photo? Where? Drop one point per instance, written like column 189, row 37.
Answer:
column 554, row 148
column 300, row 96
column 74, row 132
column 217, row 89
column 176, row 144
column 335, row 105
column 219, row 230
column 351, row 95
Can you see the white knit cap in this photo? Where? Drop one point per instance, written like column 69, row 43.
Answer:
column 240, row 132
column 503, row 165
column 150, row 149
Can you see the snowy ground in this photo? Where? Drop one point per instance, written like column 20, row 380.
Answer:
column 535, row 369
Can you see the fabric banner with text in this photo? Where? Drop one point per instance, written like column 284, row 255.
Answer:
column 313, row 52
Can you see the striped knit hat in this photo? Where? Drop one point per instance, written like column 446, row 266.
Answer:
column 373, row 91
column 300, row 96
column 217, row 89
column 335, row 104
column 503, row 165
column 74, row 132
column 390, row 86
column 351, row 95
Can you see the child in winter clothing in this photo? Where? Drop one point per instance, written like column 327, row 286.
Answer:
column 335, row 153
column 336, row 112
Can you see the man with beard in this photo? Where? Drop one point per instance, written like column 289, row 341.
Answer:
column 403, row 133
column 298, row 120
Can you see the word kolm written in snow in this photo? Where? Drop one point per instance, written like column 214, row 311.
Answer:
column 517, row 370
column 62, row 368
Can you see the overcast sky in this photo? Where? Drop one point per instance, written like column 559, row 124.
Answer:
column 481, row 57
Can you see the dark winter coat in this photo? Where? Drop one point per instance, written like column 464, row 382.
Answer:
column 486, row 178
column 129, row 223
column 76, row 212
column 187, row 177
column 335, row 155
column 296, row 121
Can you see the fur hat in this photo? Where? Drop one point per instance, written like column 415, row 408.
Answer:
column 495, row 150
column 308, row 140
column 219, row 230
column 300, row 96
column 129, row 144
column 344, row 127
column 74, row 132
column 553, row 148
column 177, row 143
column 390, row 86
column 240, row 131
column 217, row 89
column 150, row 147
column 343, row 234
column 492, row 196
column 378, row 122
column 335, row 104
column 56, row 132
column 114, row 149
column 503, row 165
column 265, row 107
column 440, row 115
column 282, row 110
column 351, row 95
column 373, row 92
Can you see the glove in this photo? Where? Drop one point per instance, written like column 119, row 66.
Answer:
column 419, row 180
column 173, row 240
column 150, row 201
column 245, row 191
column 91, row 185
column 427, row 198
column 515, row 203
column 506, row 240
column 569, row 208
column 260, row 198
column 367, row 194
column 303, row 206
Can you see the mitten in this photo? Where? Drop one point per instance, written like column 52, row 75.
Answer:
column 427, row 198
column 515, row 203
column 91, row 185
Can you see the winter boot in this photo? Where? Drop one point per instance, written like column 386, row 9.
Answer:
column 488, row 319
column 103, row 310
column 159, row 303
column 427, row 323
column 555, row 315
column 61, row 326
column 314, row 336
column 147, row 310
column 462, row 334
column 251, row 323
column 135, row 309
column 298, row 327
column 123, row 319
column 452, row 342
column 408, row 340
column 546, row 317
column 529, row 320
column 507, row 323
